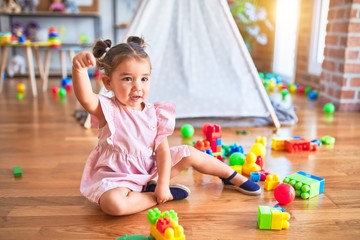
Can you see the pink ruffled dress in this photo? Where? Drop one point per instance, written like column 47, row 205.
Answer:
column 125, row 154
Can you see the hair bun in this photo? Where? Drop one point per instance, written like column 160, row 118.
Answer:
column 136, row 40
column 101, row 48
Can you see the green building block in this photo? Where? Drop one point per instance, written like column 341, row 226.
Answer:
column 264, row 217
column 135, row 237
column 305, row 187
column 172, row 215
column 17, row 171
column 153, row 215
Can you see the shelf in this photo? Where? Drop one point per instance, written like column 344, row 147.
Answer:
column 48, row 14
column 95, row 17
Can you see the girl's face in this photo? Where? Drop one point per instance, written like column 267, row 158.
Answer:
column 130, row 82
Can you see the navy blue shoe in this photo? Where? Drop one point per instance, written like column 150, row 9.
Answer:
column 178, row 191
column 248, row 187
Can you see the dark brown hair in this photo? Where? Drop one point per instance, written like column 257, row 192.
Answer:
column 108, row 58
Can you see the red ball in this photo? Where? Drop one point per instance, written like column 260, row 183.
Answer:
column 284, row 193
column 55, row 89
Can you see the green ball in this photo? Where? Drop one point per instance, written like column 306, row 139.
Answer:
column 20, row 96
column 187, row 130
column 62, row 92
column 284, row 92
column 261, row 75
column 329, row 108
column 237, row 158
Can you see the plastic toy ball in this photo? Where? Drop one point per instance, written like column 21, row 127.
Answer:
column 329, row 108
column 292, row 88
column 307, row 90
column 300, row 89
column 21, row 87
column 312, row 95
column 284, row 193
column 284, row 93
column 236, row 159
column 62, row 92
column 66, row 81
column 55, row 89
column 187, row 130
column 20, row 96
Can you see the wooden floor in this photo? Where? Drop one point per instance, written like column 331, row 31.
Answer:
column 41, row 135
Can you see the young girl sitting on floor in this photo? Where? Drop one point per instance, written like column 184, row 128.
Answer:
column 130, row 168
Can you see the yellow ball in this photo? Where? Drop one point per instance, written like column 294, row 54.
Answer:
column 258, row 149
column 21, row 87
column 292, row 88
column 272, row 85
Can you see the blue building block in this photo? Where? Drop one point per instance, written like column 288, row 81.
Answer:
column 255, row 176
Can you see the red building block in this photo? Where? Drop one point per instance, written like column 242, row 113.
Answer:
column 162, row 224
column 296, row 145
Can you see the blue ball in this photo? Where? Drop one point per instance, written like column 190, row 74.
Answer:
column 66, row 81
column 313, row 95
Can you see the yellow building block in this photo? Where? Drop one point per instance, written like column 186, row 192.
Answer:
column 280, row 220
column 176, row 232
column 271, row 182
column 277, row 144
column 261, row 140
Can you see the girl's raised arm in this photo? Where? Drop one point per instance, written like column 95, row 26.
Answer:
column 82, row 85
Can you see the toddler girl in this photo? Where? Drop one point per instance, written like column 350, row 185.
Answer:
column 130, row 168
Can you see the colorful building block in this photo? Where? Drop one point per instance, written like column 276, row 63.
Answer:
column 328, row 140
column 264, row 217
column 17, row 171
column 306, row 185
column 255, row 176
column 296, row 145
column 165, row 226
column 278, row 144
column 279, row 219
column 212, row 133
column 263, row 174
column 271, row 182
column 202, row 145
column 261, row 140
column 320, row 179
column 135, row 237
column 272, row 218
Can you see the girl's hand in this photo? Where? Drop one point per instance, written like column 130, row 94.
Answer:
column 83, row 61
column 163, row 194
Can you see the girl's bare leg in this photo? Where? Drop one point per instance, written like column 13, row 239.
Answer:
column 122, row 201
column 206, row 164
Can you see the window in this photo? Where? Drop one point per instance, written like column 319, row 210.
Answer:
column 285, row 38
column 317, row 44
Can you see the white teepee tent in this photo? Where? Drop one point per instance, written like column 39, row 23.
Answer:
column 200, row 60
